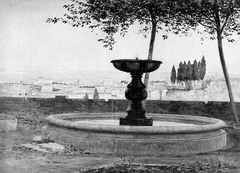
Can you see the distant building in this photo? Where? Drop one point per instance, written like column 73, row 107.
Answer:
column 77, row 95
column 157, row 83
column 107, row 83
column 157, row 94
column 44, row 95
column 47, row 88
column 42, row 80
column 15, row 89
column 105, row 95
column 118, row 92
column 1, row 86
column 101, row 88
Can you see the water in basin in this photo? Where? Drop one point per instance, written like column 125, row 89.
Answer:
column 116, row 122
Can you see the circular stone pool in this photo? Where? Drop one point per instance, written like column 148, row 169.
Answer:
column 170, row 134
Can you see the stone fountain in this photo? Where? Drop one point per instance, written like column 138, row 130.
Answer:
column 134, row 133
column 136, row 91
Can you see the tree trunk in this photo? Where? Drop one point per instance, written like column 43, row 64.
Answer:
column 225, row 72
column 151, row 47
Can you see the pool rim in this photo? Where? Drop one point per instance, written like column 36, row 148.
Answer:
column 208, row 124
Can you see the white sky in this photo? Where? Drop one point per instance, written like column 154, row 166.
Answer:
column 28, row 43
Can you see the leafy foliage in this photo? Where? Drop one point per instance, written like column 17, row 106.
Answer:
column 116, row 16
column 112, row 16
column 218, row 18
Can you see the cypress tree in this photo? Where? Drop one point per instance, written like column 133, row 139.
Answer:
column 203, row 68
column 95, row 94
column 189, row 71
column 173, row 75
column 179, row 74
column 184, row 71
column 195, row 70
column 199, row 68
column 86, row 97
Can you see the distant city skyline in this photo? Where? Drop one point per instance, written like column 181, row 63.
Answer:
column 28, row 44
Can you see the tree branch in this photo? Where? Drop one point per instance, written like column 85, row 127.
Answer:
column 208, row 26
column 165, row 18
column 224, row 24
column 209, row 19
column 146, row 19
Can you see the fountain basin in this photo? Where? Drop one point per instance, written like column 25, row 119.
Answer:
column 136, row 65
column 100, row 133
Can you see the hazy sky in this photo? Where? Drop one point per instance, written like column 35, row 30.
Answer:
column 28, row 43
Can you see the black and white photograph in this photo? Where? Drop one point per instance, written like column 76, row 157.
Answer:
column 119, row 86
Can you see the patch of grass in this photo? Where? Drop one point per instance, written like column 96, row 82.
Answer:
column 207, row 165
column 127, row 168
column 7, row 116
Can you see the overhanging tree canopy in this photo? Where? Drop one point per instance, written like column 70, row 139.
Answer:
column 116, row 16
column 219, row 19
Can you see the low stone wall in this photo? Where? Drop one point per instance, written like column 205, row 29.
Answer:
column 221, row 110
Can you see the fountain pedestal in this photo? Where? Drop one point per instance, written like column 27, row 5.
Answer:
column 136, row 90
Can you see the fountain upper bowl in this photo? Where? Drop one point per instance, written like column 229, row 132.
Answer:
column 136, row 65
